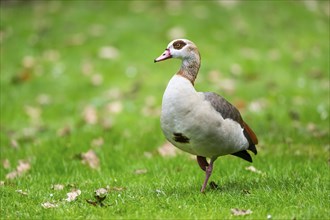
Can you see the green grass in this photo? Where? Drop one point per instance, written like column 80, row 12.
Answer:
column 281, row 47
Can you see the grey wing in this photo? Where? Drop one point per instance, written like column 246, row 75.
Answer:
column 222, row 106
column 227, row 110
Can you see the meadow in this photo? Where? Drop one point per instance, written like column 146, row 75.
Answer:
column 80, row 101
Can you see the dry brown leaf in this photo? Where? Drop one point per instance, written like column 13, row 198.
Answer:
column 90, row 115
column 240, row 212
column 229, row 4
column 150, row 108
column 253, row 169
column 98, row 142
column 87, row 68
column 96, row 30
column 236, row 69
column 43, row 99
column 227, row 85
column 140, row 171
column 176, row 32
column 34, row 113
column 28, row 62
column 258, row 105
column 58, row 187
column 100, row 194
column 114, row 93
column 147, row 155
column 22, row 167
column 23, row 76
column 115, row 107
column 48, row 205
column 21, row 192
column 6, row 164
column 12, row 175
column 51, row 55
column 114, row 188
column 77, row 39
column 96, row 79
column 71, row 196
column 14, row 143
column 108, row 52
column 90, row 158
column 167, row 150
column 66, row 130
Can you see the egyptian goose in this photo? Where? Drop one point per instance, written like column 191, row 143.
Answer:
column 201, row 123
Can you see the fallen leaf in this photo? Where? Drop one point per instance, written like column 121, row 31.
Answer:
column 109, row 52
column 87, row 68
column 6, row 164
column 147, row 154
column 150, row 108
column 90, row 115
column 77, row 39
column 96, row 30
column 11, row 175
column 90, row 158
column 253, row 169
column 23, row 76
column 34, row 113
column 71, row 196
column 229, row 4
column 28, row 61
column 96, row 79
column 100, row 194
column 66, row 130
column 43, row 99
column 227, row 85
column 98, row 142
column 14, row 143
column 22, row 167
column 21, row 192
column 115, row 107
column 176, row 32
column 315, row 131
column 258, row 105
column 236, row 69
column 115, row 188
column 167, row 150
column 239, row 212
column 48, row 205
column 51, row 55
column 140, row 171
column 58, row 187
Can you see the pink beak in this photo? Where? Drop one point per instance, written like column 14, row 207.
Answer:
column 166, row 55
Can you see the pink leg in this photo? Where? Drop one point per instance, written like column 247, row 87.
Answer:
column 208, row 173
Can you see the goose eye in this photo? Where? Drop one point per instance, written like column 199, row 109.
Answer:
column 179, row 44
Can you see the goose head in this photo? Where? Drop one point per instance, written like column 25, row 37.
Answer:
column 180, row 48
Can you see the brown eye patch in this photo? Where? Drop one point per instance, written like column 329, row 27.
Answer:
column 179, row 44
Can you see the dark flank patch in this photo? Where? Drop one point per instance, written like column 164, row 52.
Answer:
column 179, row 44
column 179, row 137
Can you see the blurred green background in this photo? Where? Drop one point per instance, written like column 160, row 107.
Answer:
column 73, row 72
